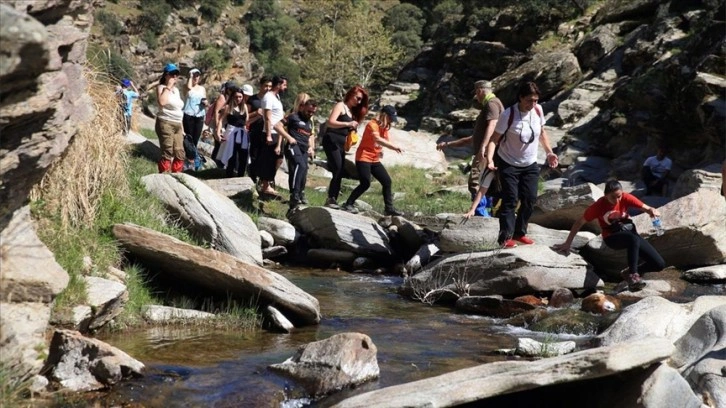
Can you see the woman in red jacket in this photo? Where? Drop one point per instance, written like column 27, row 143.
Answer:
column 618, row 232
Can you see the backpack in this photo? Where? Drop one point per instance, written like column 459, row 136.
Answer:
column 511, row 119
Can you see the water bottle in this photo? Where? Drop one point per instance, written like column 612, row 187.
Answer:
column 658, row 226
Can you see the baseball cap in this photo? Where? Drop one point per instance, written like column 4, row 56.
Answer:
column 195, row 71
column 125, row 83
column 391, row 112
column 170, row 68
column 247, row 90
column 482, row 84
column 227, row 85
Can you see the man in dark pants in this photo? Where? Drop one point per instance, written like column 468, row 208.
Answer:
column 300, row 128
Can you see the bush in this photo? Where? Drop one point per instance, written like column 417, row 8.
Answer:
column 212, row 59
column 233, row 34
column 154, row 15
column 110, row 25
column 113, row 64
column 212, row 9
column 151, row 39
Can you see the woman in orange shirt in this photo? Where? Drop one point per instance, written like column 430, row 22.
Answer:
column 368, row 160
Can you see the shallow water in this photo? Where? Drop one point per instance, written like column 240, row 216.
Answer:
column 189, row 366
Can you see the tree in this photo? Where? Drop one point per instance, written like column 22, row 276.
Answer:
column 406, row 22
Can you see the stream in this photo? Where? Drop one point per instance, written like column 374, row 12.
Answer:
column 190, row 366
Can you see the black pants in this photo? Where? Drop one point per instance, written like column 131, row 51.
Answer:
column 266, row 162
column 297, row 166
column 193, row 127
column 336, row 165
column 653, row 184
column 518, row 184
column 365, row 170
column 238, row 161
column 257, row 139
column 637, row 247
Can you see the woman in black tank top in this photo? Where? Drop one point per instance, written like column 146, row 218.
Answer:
column 236, row 142
column 345, row 116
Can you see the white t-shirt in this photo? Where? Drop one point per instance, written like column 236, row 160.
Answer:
column 520, row 144
column 658, row 167
column 172, row 111
column 272, row 102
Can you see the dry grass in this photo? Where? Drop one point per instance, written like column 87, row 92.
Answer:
column 94, row 162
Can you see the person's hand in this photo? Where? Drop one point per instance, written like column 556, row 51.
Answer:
column 398, row 149
column 563, row 248
column 311, row 152
column 483, row 158
column 491, row 166
column 277, row 150
column 353, row 124
column 440, row 146
column 469, row 214
column 654, row 212
column 552, row 160
column 268, row 140
column 291, row 140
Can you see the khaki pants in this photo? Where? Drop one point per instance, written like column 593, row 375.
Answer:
column 171, row 140
column 476, row 169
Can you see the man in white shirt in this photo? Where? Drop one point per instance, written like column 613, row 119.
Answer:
column 273, row 113
column 655, row 171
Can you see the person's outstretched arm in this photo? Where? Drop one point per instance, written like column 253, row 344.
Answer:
column 565, row 246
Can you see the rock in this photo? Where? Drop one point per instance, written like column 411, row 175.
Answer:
column 409, row 234
column 526, row 319
column 589, row 169
column 38, row 384
column 282, row 231
column 562, row 208
column 518, row 271
column 207, row 214
column 276, row 321
column 532, row 348
column 235, row 188
column 106, row 298
column 700, row 356
column 561, row 297
column 494, row 306
column 705, row 274
column 116, row 275
column 274, row 252
column 464, row 386
column 338, row 362
column 79, row 363
column 600, row 303
column 320, row 255
column 167, row 314
column 568, row 321
column 657, row 317
column 337, row 229
column 596, row 45
column 23, row 335
column 363, row 263
column 551, row 71
column 266, row 239
column 421, row 258
column 217, row 272
column 693, row 180
column 569, row 111
column 419, row 150
column 531, row 300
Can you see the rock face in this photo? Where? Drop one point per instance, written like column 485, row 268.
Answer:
column 465, row 386
column 324, row 366
column 208, row 214
column 560, row 209
column 218, row 272
column 336, row 229
column 79, row 363
column 518, row 271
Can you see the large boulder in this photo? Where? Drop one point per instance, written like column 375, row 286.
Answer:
column 657, row 317
column 559, row 209
column 283, row 233
column 693, row 180
column 218, row 272
column 595, row 45
column 465, row 386
column 551, row 71
column 705, row 274
column 518, row 271
column 340, row 361
column 337, row 229
column 234, row 188
column 694, row 235
column 207, row 214
column 79, row 363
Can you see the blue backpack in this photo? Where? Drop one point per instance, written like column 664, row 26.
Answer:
column 482, row 209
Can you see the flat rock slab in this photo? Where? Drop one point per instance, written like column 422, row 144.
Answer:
column 218, row 272
column 167, row 314
column 488, row 380
column 706, row 274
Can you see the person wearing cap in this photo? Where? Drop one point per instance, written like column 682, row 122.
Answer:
column 169, row 127
column 486, row 121
column 127, row 101
column 234, row 151
column 301, row 128
column 224, row 94
column 368, row 160
column 195, row 109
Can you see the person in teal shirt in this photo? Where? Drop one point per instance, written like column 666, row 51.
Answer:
column 128, row 94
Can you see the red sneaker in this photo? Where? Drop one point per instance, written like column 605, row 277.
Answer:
column 509, row 244
column 523, row 239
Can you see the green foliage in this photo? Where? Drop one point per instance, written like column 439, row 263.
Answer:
column 110, row 62
column 153, row 15
column 15, row 385
column 151, row 39
column 211, row 10
column 444, row 18
column 406, row 22
column 212, row 59
column 109, row 23
column 233, row 34
column 270, row 30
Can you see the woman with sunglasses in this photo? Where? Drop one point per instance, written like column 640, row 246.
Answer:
column 345, row 116
column 169, row 127
column 517, row 136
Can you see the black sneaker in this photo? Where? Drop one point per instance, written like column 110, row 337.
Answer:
column 331, row 203
column 304, row 200
column 350, row 208
column 393, row 212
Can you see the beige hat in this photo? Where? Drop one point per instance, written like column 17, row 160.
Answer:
column 247, row 90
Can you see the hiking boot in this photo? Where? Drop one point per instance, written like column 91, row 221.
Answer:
column 350, row 208
column 393, row 212
column 523, row 239
column 510, row 243
column 304, row 200
column 633, row 280
column 332, row 203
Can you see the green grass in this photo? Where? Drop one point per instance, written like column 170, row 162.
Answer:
column 149, row 134
column 14, row 386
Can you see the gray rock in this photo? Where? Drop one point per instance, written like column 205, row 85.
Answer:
column 705, row 274
column 657, row 317
column 107, row 300
column 276, row 321
column 266, row 239
column 570, row 111
column 562, row 208
column 23, row 329
column 168, row 314
column 274, row 252
column 207, row 214
column 337, row 229
column 79, row 363
column 596, row 45
column 532, row 348
column 666, row 388
column 282, row 231
column 693, row 180
column 464, row 386
column 218, row 272
column 234, row 188
column 338, row 362
column 590, row 169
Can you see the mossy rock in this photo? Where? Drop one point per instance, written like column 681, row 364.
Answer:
column 569, row 321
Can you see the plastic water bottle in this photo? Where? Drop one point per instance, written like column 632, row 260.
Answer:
column 658, row 226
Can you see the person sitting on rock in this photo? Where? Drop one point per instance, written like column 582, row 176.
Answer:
column 654, row 173
column 618, row 232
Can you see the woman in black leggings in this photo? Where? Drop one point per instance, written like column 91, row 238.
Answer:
column 368, row 160
column 344, row 117
column 618, row 232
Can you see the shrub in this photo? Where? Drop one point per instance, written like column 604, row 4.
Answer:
column 110, row 25
column 233, row 34
column 151, row 39
column 111, row 63
column 212, row 9
column 154, row 15
column 212, row 59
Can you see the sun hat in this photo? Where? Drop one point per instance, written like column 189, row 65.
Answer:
column 125, row 83
column 170, row 68
column 391, row 112
column 195, row 71
column 247, row 90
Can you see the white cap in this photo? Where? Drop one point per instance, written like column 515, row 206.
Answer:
column 195, row 71
column 247, row 90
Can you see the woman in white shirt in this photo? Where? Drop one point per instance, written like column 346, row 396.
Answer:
column 169, row 126
column 195, row 109
column 518, row 134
